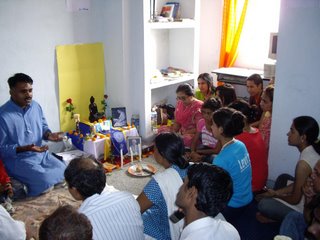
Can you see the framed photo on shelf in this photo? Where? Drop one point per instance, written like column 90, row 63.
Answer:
column 167, row 11
column 134, row 145
column 119, row 117
column 171, row 10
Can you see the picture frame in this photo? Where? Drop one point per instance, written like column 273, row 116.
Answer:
column 119, row 117
column 103, row 126
column 134, row 145
column 167, row 11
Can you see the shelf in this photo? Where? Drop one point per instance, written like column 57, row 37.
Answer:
column 186, row 23
column 171, row 81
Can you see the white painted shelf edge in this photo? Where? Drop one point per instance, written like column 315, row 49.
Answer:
column 186, row 23
column 171, row 81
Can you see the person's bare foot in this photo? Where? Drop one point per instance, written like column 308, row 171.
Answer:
column 263, row 219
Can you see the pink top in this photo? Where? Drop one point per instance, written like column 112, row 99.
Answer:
column 207, row 138
column 188, row 117
column 264, row 128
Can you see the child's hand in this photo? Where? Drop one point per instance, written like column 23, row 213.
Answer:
column 196, row 157
column 8, row 189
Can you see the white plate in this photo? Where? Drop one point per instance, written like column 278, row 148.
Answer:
column 133, row 170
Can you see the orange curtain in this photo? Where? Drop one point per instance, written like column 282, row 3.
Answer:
column 231, row 31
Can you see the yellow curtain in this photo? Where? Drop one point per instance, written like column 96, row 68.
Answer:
column 231, row 31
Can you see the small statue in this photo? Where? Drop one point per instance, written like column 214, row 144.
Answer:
column 67, row 142
column 93, row 110
column 76, row 118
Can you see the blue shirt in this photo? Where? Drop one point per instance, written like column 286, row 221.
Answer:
column 155, row 219
column 234, row 158
column 20, row 127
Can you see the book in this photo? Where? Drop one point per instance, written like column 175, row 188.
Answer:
column 70, row 155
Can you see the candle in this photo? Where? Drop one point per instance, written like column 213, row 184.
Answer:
column 139, row 149
column 131, row 153
column 121, row 157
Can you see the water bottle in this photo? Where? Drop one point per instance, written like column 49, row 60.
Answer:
column 154, row 120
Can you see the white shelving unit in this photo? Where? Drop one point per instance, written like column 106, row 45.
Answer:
column 168, row 44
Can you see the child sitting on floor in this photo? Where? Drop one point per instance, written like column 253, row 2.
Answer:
column 10, row 189
column 6, row 191
column 265, row 120
column 5, row 184
column 209, row 145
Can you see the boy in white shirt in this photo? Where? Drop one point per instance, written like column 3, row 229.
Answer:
column 205, row 192
column 113, row 215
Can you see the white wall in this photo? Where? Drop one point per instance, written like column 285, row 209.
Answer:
column 210, row 35
column 297, row 78
column 31, row 29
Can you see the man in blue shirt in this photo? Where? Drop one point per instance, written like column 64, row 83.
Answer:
column 22, row 129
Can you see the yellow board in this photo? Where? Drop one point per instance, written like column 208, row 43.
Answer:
column 81, row 75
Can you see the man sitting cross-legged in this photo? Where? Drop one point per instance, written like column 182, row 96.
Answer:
column 22, row 129
column 205, row 192
column 113, row 215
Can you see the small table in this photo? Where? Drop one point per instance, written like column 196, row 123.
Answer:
column 235, row 75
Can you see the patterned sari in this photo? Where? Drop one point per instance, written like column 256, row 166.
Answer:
column 188, row 117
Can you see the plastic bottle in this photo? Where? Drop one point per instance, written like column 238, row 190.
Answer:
column 154, row 120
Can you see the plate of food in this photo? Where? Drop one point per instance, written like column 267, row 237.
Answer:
column 142, row 170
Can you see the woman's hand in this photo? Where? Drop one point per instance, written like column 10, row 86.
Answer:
column 268, row 194
column 308, row 190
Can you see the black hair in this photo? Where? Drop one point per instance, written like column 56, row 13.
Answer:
column 19, row 77
column 249, row 111
column 86, row 175
column 209, row 80
column 308, row 126
column 269, row 92
column 231, row 121
column 186, row 88
column 171, row 147
column 227, row 94
column 212, row 103
column 256, row 78
column 214, row 186
column 66, row 223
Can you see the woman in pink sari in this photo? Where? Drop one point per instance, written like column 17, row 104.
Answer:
column 187, row 113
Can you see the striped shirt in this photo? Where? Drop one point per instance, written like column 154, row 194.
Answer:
column 114, row 215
